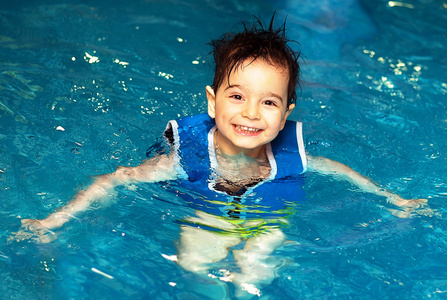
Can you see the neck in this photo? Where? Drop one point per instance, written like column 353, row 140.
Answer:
column 241, row 169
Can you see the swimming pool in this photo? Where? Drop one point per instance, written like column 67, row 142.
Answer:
column 88, row 86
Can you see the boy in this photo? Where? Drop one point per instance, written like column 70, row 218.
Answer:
column 244, row 159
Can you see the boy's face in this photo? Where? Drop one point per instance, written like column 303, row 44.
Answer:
column 252, row 110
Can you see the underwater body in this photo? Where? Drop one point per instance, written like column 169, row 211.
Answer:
column 88, row 86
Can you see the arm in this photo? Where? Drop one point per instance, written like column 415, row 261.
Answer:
column 327, row 166
column 156, row 169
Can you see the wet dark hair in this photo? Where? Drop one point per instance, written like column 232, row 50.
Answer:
column 256, row 42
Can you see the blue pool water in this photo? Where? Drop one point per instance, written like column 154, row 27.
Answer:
column 86, row 86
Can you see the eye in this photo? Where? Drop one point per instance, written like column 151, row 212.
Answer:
column 270, row 103
column 237, row 97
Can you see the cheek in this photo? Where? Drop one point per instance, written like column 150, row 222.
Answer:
column 225, row 111
column 276, row 117
column 220, row 107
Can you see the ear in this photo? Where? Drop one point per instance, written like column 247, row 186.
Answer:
column 211, row 96
column 286, row 115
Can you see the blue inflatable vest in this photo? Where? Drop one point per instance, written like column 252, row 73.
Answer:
column 192, row 139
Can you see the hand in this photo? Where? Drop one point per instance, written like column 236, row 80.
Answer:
column 33, row 228
column 409, row 207
column 413, row 203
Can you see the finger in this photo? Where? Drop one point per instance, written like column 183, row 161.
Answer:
column 400, row 213
column 47, row 237
column 26, row 221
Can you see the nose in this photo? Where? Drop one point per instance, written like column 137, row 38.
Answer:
column 251, row 111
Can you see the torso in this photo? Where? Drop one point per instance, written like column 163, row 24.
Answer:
column 237, row 186
column 236, row 173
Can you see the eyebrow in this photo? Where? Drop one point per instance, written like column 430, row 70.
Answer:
column 268, row 94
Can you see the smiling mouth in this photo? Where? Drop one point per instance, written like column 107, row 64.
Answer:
column 247, row 130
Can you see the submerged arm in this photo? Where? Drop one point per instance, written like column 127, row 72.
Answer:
column 156, row 169
column 327, row 166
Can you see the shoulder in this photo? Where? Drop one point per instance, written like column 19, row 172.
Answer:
column 290, row 137
column 188, row 127
column 189, row 139
column 191, row 121
column 288, row 149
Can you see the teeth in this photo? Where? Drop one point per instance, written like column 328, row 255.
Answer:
column 245, row 128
